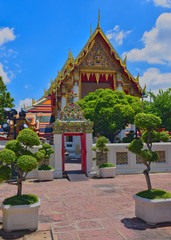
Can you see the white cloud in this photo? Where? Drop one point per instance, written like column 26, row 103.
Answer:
column 162, row 3
column 27, row 102
column 154, row 79
column 6, row 35
column 3, row 74
column 27, row 86
column 117, row 34
column 157, row 43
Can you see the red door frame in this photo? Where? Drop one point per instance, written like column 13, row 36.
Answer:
column 83, row 149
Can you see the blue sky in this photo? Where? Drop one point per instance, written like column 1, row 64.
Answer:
column 35, row 36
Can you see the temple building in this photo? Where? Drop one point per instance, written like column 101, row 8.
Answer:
column 97, row 66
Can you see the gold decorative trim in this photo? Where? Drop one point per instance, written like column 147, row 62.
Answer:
column 79, row 88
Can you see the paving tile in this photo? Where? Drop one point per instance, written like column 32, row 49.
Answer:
column 39, row 235
column 66, row 236
column 83, row 225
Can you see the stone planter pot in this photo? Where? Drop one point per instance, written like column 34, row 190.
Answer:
column 153, row 211
column 20, row 217
column 108, row 172
column 45, row 175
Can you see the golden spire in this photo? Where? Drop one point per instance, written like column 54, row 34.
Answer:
column 138, row 77
column 45, row 93
column 59, row 75
column 125, row 60
column 98, row 25
column 33, row 101
column 70, row 56
column 52, row 83
column 90, row 30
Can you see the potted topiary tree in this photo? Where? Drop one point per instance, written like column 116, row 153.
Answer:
column 20, row 211
column 106, row 169
column 45, row 171
column 152, row 205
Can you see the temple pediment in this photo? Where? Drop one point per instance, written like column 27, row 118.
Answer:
column 98, row 57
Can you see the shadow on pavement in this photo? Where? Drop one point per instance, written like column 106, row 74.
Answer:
column 138, row 224
column 14, row 234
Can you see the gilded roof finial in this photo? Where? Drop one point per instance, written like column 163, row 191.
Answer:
column 90, row 30
column 33, row 101
column 69, row 53
column 98, row 25
column 138, row 77
column 45, row 93
column 125, row 60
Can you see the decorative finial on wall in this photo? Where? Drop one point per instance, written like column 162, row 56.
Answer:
column 45, row 92
column 98, row 25
column 90, row 30
column 125, row 60
column 138, row 77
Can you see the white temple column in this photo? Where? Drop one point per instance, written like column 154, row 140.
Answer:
column 58, row 173
column 76, row 84
column 89, row 161
column 76, row 90
column 119, row 82
column 63, row 97
column 63, row 102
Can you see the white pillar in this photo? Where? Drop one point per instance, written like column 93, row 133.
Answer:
column 76, row 90
column 89, row 155
column 119, row 88
column 58, row 173
column 63, row 102
column 119, row 82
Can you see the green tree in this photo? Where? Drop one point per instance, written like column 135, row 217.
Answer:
column 161, row 107
column 5, row 100
column 111, row 111
column 16, row 154
column 101, row 148
column 148, row 123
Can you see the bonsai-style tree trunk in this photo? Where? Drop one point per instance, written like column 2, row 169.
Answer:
column 101, row 148
column 148, row 123
column 26, row 160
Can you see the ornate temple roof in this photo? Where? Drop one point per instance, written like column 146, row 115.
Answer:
column 71, row 64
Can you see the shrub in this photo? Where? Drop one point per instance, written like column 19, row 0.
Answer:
column 7, row 156
column 28, row 137
column 154, row 194
column 45, row 167
column 25, row 199
column 44, row 153
column 135, row 146
column 100, row 149
column 17, row 155
column 149, row 123
column 106, row 165
column 27, row 163
column 5, row 173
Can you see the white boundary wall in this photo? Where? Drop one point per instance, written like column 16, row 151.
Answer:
column 131, row 166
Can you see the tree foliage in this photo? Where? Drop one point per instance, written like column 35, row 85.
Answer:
column 101, row 148
column 17, row 155
column 5, row 100
column 149, row 123
column 28, row 137
column 161, row 107
column 43, row 156
column 110, row 110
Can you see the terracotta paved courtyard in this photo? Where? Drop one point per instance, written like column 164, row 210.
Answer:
column 98, row 209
